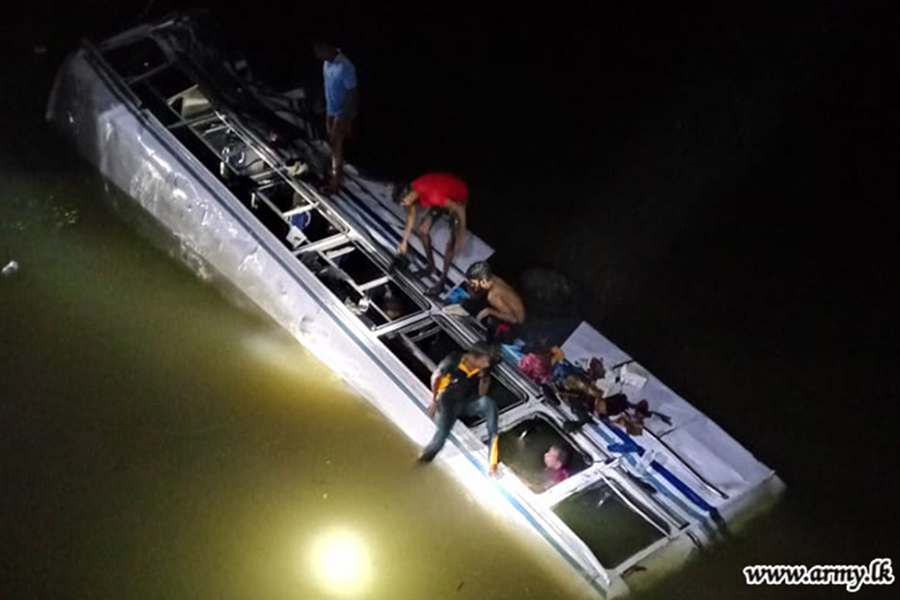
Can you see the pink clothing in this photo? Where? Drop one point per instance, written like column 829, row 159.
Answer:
column 537, row 367
column 560, row 474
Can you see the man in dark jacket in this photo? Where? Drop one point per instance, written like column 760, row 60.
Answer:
column 460, row 387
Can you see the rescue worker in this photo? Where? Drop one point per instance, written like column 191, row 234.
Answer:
column 460, row 387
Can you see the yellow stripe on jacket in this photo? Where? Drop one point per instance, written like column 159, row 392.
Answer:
column 444, row 380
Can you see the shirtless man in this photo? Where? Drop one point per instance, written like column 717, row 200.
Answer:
column 505, row 311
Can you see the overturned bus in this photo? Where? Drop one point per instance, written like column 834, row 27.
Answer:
column 226, row 166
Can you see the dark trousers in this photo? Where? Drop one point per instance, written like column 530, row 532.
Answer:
column 483, row 407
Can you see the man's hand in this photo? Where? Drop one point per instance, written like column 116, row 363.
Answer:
column 483, row 314
column 402, row 247
column 433, row 408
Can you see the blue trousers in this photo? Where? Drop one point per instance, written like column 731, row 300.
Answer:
column 483, row 407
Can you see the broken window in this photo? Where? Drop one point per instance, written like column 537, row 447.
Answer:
column 425, row 345
column 363, row 286
column 523, row 448
column 135, row 59
column 153, row 102
column 165, row 91
column 607, row 524
column 171, row 84
column 235, row 155
column 306, row 223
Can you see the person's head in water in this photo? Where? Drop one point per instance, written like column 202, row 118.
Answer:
column 479, row 276
column 405, row 195
column 481, row 355
column 325, row 49
column 556, row 458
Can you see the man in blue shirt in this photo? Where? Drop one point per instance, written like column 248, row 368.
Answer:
column 341, row 102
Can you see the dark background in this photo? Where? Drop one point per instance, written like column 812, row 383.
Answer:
column 719, row 180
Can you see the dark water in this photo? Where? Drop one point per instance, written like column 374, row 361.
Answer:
column 160, row 442
column 719, row 181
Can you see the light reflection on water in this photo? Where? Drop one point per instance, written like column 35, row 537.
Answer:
column 341, row 562
column 157, row 441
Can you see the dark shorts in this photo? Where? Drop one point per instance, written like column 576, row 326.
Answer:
column 436, row 213
column 501, row 332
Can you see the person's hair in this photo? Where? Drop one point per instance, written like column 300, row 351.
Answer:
column 401, row 191
column 479, row 271
column 484, row 349
column 562, row 453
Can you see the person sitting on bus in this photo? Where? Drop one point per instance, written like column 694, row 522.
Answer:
column 505, row 311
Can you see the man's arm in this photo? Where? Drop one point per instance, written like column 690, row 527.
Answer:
column 407, row 230
column 436, row 375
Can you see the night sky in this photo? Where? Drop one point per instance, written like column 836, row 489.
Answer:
column 719, row 182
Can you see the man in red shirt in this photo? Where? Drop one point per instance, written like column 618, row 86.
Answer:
column 438, row 195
